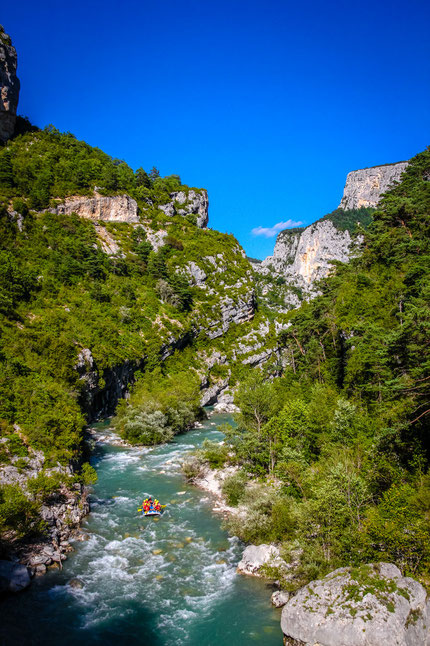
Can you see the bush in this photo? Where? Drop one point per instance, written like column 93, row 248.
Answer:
column 146, row 425
column 17, row 513
column 192, row 468
column 214, row 453
column 233, row 487
column 43, row 486
column 88, row 474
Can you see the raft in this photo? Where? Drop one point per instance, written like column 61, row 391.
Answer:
column 151, row 513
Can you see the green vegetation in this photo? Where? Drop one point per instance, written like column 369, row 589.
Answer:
column 159, row 408
column 353, row 220
column 337, row 450
column 40, row 166
column 333, row 456
column 60, row 293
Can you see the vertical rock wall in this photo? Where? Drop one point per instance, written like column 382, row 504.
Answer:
column 9, row 93
column 364, row 187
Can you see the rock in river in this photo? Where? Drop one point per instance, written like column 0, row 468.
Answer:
column 14, row 577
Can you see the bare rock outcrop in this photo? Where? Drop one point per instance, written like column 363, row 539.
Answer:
column 119, row 208
column 369, row 606
column 191, row 203
column 365, row 187
column 302, row 257
column 9, row 93
column 255, row 557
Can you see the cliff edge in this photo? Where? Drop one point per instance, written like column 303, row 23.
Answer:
column 364, row 187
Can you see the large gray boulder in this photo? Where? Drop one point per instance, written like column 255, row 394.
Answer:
column 373, row 605
column 255, row 557
column 14, row 577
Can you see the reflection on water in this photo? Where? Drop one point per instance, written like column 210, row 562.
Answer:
column 168, row 581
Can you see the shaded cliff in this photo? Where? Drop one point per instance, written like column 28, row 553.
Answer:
column 9, row 86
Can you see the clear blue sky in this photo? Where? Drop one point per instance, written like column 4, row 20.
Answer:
column 268, row 105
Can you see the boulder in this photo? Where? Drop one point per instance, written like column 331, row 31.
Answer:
column 14, row 577
column 280, row 598
column 255, row 556
column 373, row 605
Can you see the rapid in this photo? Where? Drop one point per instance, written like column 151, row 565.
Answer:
column 144, row 581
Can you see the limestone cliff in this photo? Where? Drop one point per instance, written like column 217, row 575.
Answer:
column 120, row 208
column 303, row 256
column 364, row 187
column 123, row 208
column 9, row 86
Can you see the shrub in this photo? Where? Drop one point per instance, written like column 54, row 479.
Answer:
column 17, row 513
column 233, row 487
column 88, row 474
column 214, row 453
column 192, row 468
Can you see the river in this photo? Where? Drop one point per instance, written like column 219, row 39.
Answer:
column 154, row 582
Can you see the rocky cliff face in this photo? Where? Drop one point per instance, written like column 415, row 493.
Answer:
column 62, row 511
column 123, row 208
column 120, row 208
column 303, row 257
column 190, row 203
column 364, row 187
column 9, row 86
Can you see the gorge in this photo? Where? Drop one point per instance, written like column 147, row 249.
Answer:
column 116, row 298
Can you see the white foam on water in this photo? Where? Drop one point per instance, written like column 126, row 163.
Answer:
column 115, row 569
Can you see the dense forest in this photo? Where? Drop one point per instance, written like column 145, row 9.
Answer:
column 334, row 455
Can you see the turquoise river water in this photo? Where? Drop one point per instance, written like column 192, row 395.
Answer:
column 187, row 594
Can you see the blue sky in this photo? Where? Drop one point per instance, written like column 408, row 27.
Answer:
column 268, row 105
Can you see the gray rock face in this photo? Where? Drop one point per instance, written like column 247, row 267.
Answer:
column 255, row 556
column 232, row 311
column 364, row 187
column 119, row 208
column 193, row 203
column 196, row 275
column 211, row 393
column 305, row 256
column 9, row 93
column 280, row 598
column 14, row 577
column 340, row 610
